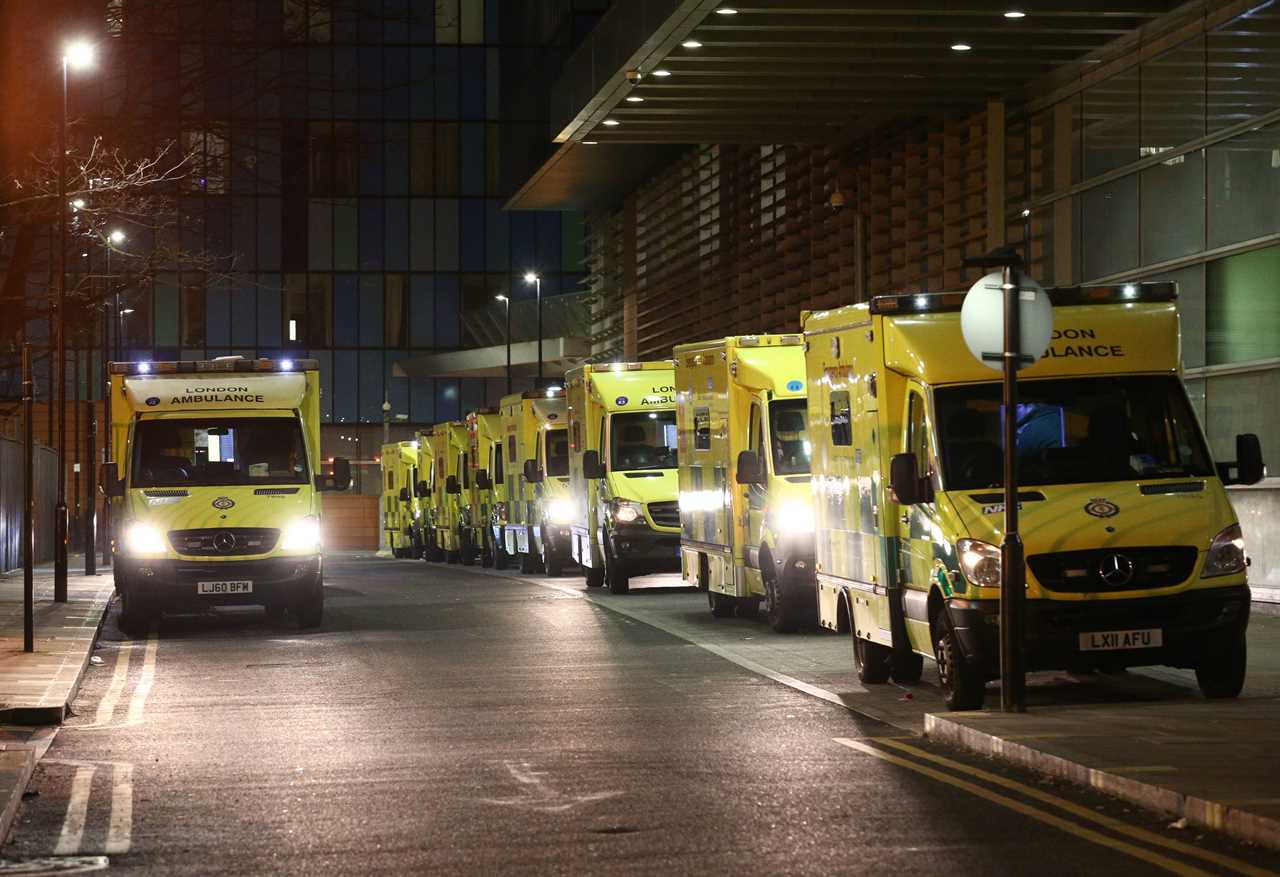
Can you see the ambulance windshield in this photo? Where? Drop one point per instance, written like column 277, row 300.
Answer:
column 1071, row 431
column 788, row 423
column 219, row 452
column 557, row 452
column 643, row 440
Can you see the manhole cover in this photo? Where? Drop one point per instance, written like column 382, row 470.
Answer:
column 53, row 865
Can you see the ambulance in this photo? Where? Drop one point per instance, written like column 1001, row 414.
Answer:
column 1133, row 553
column 622, row 471
column 401, row 510
column 430, row 445
column 746, row 518
column 449, row 472
column 539, row 511
column 217, row 483
column 484, row 435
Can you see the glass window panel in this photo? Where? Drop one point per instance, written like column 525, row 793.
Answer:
column 218, row 316
column 372, row 239
column 422, row 311
column 573, row 236
column 1190, row 310
column 1110, row 228
column 1241, row 83
column 320, row 70
column 244, row 308
column 324, row 361
column 397, row 388
column 293, row 316
column 345, row 234
column 396, row 311
column 493, row 161
column 422, row 235
column 396, row 15
column 472, row 156
column 345, row 370
column 524, row 237
column 1173, row 208
column 397, row 82
column 320, row 235
column 448, row 312
column 1242, row 308
column 193, row 311
column 422, row 398
column 446, row 81
column 267, row 159
column 474, row 393
column 397, row 159
column 320, row 310
column 244, row 232
column 370, row 82
column 371, row 386
column 268, row 233
column 371, row 156
column 448, row 401
column 447, row 160
column 346, row 311
column 422, row 159
column 446, row 234
column 493, row 92
column 397, row 234
column 1232, row 408
column 269, row 309
column 346, row 70
column 472, row 30
column 1244, row 187
column 473, row 95
column 166, row 310
column 471, row 234
column 422, row 96
column 371, row 311
column 497, row 232
column 1173, row 97
column 217, row 227
column 447, row 23
column 549, row 243
column 1111, row 123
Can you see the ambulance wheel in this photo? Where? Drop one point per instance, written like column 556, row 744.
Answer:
column 309, row 609
column 722, row 605
column 486, row 550
column 1221, row 673
column 500, row 555
column 528, row 563
column 551, row 561
column 784, row 615
column 595, row 576
column 617, row 574
column 452, row 557
column 963, row 686
column 136, row 615
column 872, row 660
column 749, row 608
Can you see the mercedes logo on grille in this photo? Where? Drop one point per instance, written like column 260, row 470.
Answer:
column 224, row 541
column 1116, row 570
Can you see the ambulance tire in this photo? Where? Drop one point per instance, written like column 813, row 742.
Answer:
column 1221, row 673
column 873, row 661
column 528, row 563
column 963, row 685
column 452, row 557
column 722, row 605
column 136, row 615
column 468, row 554
column 500, row 555
column 595, row 576
column 617, row 575
column 309, row 609
column 552, row 564
column 785, row 615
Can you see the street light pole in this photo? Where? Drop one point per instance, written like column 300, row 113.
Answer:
column 536, row 280
column 507, row 301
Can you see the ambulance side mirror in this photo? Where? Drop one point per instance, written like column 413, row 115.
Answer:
column 451, row 485
column 1249, row 466
column 109, row 480
column 750, row 471
column 404, row 494
column 339, row 480
column 907, row 487
column 591, row 467
column 532, row 473
column 482, row 479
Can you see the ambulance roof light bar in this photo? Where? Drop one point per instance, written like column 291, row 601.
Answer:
column 1061, row 296
column 221, row 364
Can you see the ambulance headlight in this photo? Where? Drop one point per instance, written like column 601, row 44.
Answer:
column 980, row 562
column 1226, row 554
column 626, row 512
column 141, row 539
column 560, row 511
column 794, row 517
column 302, row 535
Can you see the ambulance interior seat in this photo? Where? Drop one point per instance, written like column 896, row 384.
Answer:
column 164, row 469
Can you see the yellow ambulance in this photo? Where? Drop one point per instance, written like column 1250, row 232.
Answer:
column 448, row 472
column 535, row 528
column 217, row 481
column 430, row 445
column 401, row 511
column 484, row 437
column 1133, row 553
column 746, row 517
column 622, row 471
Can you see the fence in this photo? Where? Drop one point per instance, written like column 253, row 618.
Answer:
column 11, row 487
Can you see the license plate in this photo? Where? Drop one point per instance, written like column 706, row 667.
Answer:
column 224, row 587
column 1114, row 640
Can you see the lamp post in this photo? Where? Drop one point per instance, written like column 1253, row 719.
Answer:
column 386, row 419
column 506, row 301
column 78, row 55
column 532, row 277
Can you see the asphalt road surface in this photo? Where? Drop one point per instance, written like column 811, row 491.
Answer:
column 451, row 720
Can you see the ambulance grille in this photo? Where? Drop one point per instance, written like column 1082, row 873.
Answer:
column 1096, row 570
column 665, row 514
column 224, row 541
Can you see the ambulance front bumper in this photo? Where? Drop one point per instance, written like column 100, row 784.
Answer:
column 644, row 549
column 177, row 584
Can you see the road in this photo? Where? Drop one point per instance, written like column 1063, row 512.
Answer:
column 452, row 720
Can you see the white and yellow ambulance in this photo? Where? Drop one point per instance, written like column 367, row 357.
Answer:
column 538, row 510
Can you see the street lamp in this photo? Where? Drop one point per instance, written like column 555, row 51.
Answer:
column 115, row 238
column 506, row 301
column 76, row 55
column 532, row 277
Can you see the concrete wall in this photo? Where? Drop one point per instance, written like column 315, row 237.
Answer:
column 1259, row 510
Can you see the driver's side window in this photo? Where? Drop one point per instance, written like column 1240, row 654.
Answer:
column 917, row 438
column 757, row 435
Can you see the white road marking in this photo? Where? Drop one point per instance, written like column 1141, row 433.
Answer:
column 120, row 826
column 145, row 681
column 120, row 678
column 537, row 795
column 77, row 809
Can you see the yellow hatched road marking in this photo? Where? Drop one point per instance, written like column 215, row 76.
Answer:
column 1171, row 865
column 1082, row 812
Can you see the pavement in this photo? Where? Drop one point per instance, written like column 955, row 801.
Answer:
column 448, row 720
column 38, row 687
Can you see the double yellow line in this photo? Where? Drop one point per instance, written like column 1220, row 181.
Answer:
column 983, row 782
